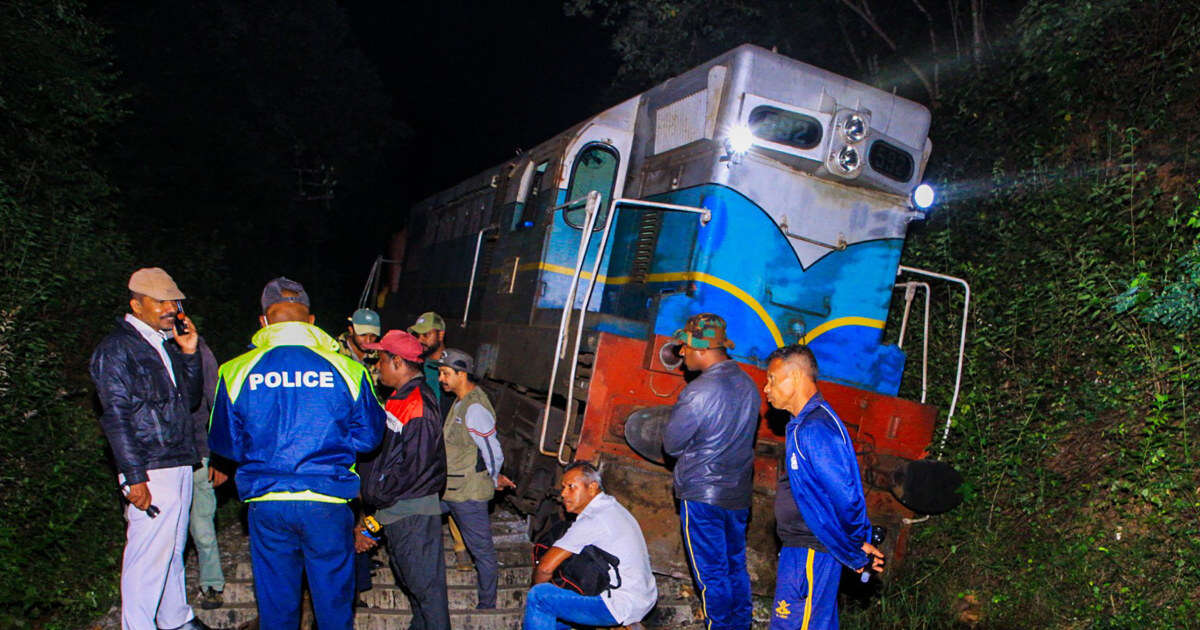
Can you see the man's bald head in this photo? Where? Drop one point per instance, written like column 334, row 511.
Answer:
column 287, row 311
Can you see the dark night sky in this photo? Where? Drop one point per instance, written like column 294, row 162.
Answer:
column 475, row 80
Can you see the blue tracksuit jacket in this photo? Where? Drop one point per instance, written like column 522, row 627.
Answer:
column 826, row 483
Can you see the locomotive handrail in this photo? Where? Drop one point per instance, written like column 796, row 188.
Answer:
column 910, row 291
column 372, row 285
column 962, row 340
column 841, row 244
column 589, row 221
column 585, row 241
column 474, row 267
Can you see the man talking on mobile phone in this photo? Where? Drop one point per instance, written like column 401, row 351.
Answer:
column 148, row 381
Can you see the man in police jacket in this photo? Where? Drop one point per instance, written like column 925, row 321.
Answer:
column 293, row 413
column 820, row 510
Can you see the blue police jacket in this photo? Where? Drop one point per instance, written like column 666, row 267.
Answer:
column 293, row 413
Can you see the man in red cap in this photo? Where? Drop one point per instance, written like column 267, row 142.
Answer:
column 405, row 478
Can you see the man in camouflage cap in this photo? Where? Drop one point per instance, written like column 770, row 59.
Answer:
column 711, row 435
column 704, row 332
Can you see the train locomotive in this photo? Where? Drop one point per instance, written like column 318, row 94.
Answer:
column 754, row 186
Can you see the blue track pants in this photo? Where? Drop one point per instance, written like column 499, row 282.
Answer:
column 805, row 590
column 291, row 538
column 714, row 539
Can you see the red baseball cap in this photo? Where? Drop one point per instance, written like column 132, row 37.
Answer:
column 398, row 343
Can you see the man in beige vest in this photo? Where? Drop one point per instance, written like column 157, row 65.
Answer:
column 473, row 461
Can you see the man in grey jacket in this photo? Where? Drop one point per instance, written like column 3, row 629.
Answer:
column 711, row 434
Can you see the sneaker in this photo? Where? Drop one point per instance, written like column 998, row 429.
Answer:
column 211, row 598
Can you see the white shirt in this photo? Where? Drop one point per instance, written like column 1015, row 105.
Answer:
column 608, row 525
column 157, row 339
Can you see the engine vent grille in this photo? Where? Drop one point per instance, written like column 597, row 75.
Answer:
column 643, row 248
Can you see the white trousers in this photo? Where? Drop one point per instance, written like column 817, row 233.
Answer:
column 153, row 594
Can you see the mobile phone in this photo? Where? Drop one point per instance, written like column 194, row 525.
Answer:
column 180, row 325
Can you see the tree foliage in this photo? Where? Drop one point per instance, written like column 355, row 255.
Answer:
column 61, row 263
column 901, row 46
column 228, row 135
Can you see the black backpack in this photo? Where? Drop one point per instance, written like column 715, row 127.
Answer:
column 585, row 572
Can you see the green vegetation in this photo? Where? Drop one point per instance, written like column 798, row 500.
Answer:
column 149, row 144
column 61, row 263
column 1078, row 230
column 1068, row 153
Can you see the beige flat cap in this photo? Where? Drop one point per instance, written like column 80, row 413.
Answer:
column 156, row 283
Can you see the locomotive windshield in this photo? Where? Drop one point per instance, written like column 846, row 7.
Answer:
column 893, row 162
column 784, row 127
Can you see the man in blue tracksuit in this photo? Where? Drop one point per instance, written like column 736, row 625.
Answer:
column 711, row 434
column 293, row 413
column 820, row 510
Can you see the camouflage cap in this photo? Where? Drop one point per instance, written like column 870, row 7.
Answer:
column 704, row 331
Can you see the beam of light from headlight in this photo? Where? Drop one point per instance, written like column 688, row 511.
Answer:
column 1030, row 181
column 923, row 196
column 740, row 139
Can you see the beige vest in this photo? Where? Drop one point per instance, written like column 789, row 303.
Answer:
column 466, row 477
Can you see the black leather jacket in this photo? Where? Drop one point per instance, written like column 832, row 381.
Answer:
column 412, row 463
column 711, row 432
column 146, row 418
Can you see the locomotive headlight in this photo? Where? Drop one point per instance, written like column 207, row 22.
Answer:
column 854, row 128
column 848, row 159
column 923, row 196
column 740, row 140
